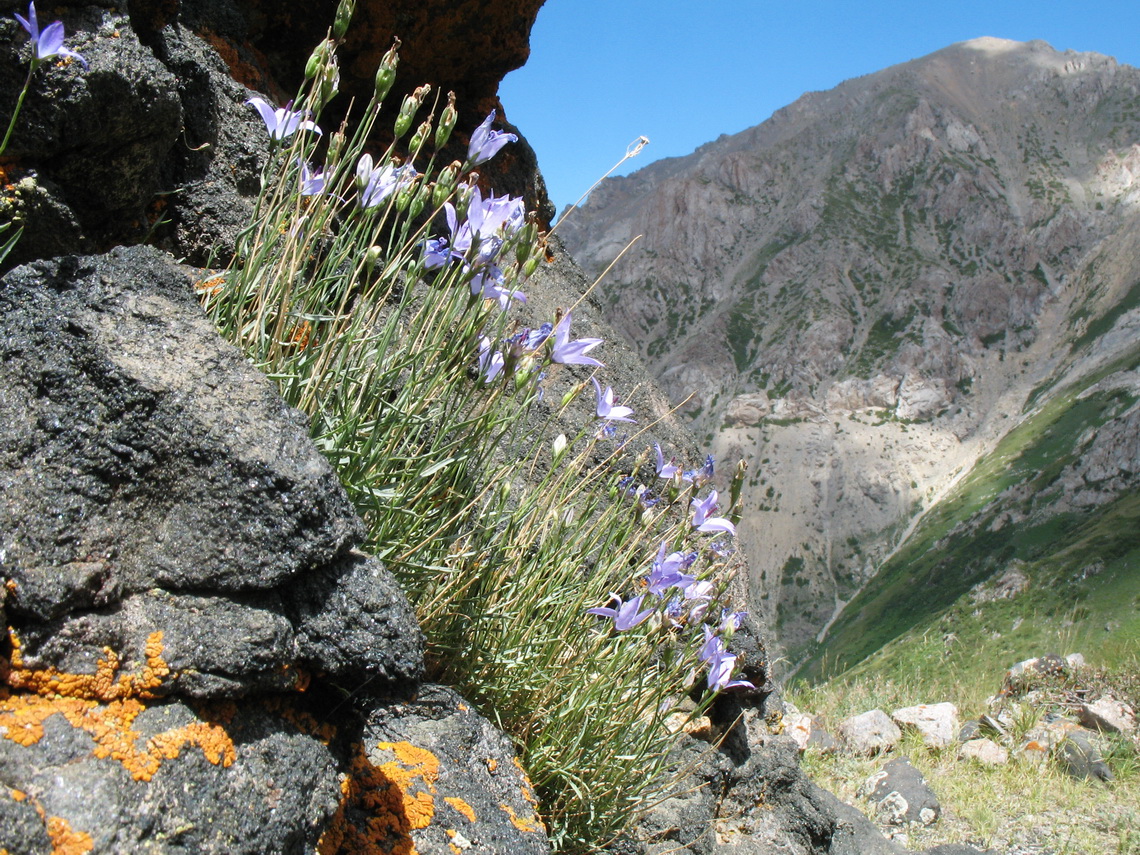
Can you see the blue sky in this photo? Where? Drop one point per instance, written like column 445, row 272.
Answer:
column 682, row 72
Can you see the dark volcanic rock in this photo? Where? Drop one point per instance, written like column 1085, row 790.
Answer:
column 164, row 778
column 89, row 145
column 901, row 795
column 151, row 477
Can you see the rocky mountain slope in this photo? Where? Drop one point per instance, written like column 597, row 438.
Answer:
column 911, row 304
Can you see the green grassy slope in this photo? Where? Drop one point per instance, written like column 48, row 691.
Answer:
column 1083, row 566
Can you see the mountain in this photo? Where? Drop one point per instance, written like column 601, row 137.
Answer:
column 911, row 303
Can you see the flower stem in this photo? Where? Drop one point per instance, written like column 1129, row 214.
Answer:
column 19, row 105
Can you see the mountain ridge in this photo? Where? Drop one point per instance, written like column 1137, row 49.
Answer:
column 862, row 294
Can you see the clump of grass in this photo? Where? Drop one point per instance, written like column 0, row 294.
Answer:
column 397, row 338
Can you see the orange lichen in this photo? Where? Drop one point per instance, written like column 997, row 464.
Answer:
column 110, row 726
column 213, row 285
column 522, row 824
column 461, row 806
column 396, row 797
column 106, row 684
column 64, row 841
column 492, row 765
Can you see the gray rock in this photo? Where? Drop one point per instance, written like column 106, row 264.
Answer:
column 92, row 142
column 454, row 775
column 985, row 751
column 1080, row 758
column 1108, row 714
column 937, row 723
column 869, row 733
column 901, row 795
column 151, row 477
column 165, row 778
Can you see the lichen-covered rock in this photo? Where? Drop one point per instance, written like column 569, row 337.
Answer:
column 432, row 776
column 901, row 795
column 153, row 482
column 938, row 724
column 168, row 777
column 869, row 733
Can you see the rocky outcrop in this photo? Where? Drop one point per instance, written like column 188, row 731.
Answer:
column 865, row 293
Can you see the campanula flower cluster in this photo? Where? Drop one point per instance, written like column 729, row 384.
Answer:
column 477, row 242
column 682, row 602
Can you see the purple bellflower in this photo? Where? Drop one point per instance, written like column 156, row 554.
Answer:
column 572, row 352
column 486, row 143
column 701, row 519
column 721, row 665
column 627, row 615
column 47, row 42
column 666, row 573
column 700, row 476
column 490, row 362
column 378, row 182
column 606, row 409
column 312, row 181
column 664, row 470
column 488, row 285
column 281, row 122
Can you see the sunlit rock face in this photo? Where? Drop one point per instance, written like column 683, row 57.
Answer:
column 859, row 295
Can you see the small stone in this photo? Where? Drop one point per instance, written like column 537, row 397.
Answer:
column 937, row 723
column 1108, row 715
column 1080, row 758
column 820, row 740
column 901, row 795
column 798, row 726
column 1075, row 660
column 985, row 751
column 869, row 733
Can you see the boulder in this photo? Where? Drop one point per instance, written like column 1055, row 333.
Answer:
column 1109, row 715
column 984, row 751
column 901, row 795
column 869, row 733
column 151, row 477
column 937, row 723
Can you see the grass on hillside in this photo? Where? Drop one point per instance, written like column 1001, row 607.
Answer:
column 1018, row 807
column 965, row 539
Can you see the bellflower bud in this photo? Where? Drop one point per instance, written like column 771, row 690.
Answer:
column 373, row 255
column 446, row 122
column 417, row 140
column 336, row 146
column 528, row 234
column 420, row 199
column 404, row 120
column 316, row 59
column 559, row 447
column 530, row 266
column 343, row 17
column 444, row 184
column 386, row 73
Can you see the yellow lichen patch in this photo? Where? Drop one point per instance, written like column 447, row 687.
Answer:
column 461, row 806
column 521, row 823
column 110, row 726
column 106, row 684
column 64, row 841
column 212, row 285
column 396, row 797
column 527, row 787
column 492, row 765
column 303, row 721
column 412, row 768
